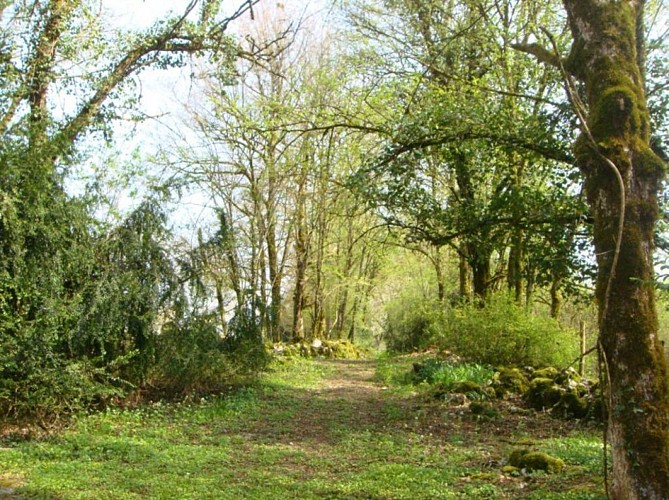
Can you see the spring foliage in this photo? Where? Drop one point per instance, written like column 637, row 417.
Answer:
column 501, row 333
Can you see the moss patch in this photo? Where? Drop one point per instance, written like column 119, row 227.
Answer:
column 510, row 380
column 535, row 461
column 331, row 349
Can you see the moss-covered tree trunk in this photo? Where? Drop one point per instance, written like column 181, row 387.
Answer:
column 604, row 57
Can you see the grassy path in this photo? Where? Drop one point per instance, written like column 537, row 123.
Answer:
column 324, row 429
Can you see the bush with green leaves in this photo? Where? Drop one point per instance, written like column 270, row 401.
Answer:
column 191, row 359
column 134, row 282
column 411, row 323
column 45, row 387
column 46, row 256
column 504, row 333
column 194, row 358
column 78, row 309
column 244, row 340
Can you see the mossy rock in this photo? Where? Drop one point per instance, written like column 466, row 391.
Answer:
column 535, row 461
column 542, row 383
column 489, row 392
column 543, row 393
column 467, row 386
column 284, row 350
column 511, row 470
column 516, row 455
column 337, row 349
column 573, row 405
column 583, row 390
column 510, row 380
column 342, row 349
column 548, row 372
column 567, row 377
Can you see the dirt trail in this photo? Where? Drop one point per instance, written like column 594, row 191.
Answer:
column 347, row 398
column 352, row 381
column 351, row 387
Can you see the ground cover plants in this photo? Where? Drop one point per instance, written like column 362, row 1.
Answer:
column 308, row 429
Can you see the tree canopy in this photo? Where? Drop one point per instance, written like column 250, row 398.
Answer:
column 384, row 171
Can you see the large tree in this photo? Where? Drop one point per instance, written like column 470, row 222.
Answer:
column 63, row 75
column 622, row 178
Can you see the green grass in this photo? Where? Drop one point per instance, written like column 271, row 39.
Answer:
column 295, row 434
column 449, row 375
column 395, row 372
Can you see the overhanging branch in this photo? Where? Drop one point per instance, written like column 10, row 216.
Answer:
column 459, row 136
column 540, row 53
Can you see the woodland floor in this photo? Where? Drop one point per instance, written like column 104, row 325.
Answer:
column 308, row 429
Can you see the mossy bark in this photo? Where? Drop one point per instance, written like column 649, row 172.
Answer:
column 605, row 58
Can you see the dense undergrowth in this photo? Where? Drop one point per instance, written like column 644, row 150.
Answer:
column 501, row 333
column 446, row 377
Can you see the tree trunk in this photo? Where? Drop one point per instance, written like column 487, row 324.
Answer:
column 604, row 56
column 319, row 323
column 583, row 337
column 275, row 278
column 556, row 297
column 479, row 259
column 514, row 273
column 220, row 306
column 531, row 277
column 463, row 268
column 354, row 313
column 439, row 271
column 345, row 284
column 301, row 262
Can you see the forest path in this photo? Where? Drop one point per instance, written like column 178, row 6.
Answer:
column 344, row 397
column 308, row 429
column 329, row 429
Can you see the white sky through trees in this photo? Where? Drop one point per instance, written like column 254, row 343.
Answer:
column 163, row 94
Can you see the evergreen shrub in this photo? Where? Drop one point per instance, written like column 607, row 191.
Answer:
column 194, row 359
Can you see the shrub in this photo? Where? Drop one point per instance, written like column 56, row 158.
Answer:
column 46, row 390
column 503, row 333
column 192, row 358
column 411, row 324
column 244, row 343
column 40, row 381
